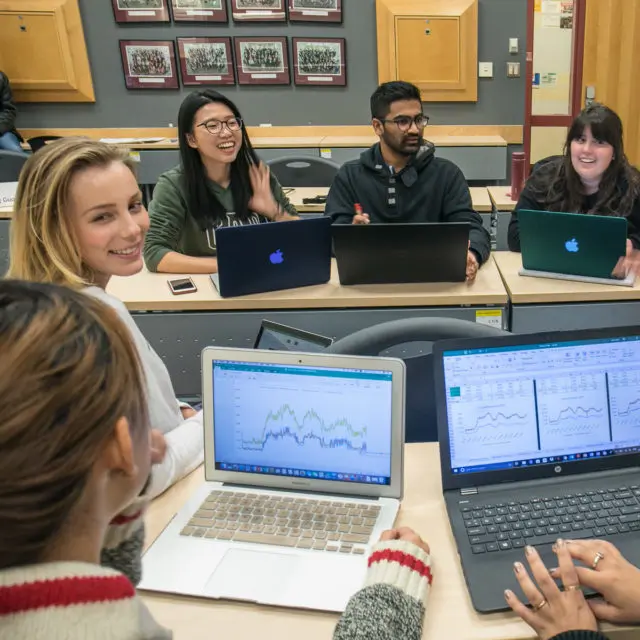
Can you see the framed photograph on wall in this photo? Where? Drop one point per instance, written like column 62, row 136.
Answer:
column 259, row 10
column 315, row 10
column 320, row 61
column 149, row 64
column 140, row 10
column 199, row 10
column 262, row 60
column 205, row 61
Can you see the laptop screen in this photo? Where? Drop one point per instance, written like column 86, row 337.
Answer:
column 516, row 407
column 310, row 422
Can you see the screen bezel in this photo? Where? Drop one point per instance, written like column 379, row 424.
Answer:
column 567, row 468
column 393, row 365
column 270, row 325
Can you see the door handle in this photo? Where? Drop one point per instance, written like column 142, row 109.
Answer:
column 590, row 95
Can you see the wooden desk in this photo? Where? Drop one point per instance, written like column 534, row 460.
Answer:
column 6, row 212
column 449, row 612
column 481, row 200
column 542, row 304
column 501, row 197
column 182, row 325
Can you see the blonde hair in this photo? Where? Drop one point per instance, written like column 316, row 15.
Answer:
column 43, row 245
column 69, row 372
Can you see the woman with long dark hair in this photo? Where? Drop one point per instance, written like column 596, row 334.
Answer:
column 220, row 182
column 592, row 177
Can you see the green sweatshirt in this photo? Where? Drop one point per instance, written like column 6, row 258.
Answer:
column 173, row 228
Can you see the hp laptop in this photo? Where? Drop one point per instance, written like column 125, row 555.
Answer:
column 304, row 467
column 572, row 246
column 398, row 253
column 539, row 440
column 256, row 258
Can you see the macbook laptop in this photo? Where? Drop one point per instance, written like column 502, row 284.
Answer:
column 256, row 258
column 304, row 470
column 539, row 440
column 280, row 337
column 399, row 253
column 572, row 246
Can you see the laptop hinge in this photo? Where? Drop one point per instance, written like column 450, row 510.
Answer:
column 469, row 491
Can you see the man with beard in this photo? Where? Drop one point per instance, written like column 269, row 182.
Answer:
column 400, row 180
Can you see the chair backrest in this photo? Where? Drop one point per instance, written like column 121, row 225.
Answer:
column 420, row 414
column 304, row 171
column 11, row 163
column 37, row 142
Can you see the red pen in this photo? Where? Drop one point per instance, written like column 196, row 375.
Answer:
column 357, row 208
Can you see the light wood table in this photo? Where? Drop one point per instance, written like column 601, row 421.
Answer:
column 362, row 141
column 481, row 200
column 180, row 326
column 543, row 304
column 449, row 613
column 501, row 197
column 6, row 212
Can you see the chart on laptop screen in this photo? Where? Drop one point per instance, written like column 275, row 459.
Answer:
column 331, row 424
column 539, row 404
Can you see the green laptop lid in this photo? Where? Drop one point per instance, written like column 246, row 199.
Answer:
column 571, row 243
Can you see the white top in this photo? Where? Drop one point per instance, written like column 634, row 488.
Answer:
column 185, row 441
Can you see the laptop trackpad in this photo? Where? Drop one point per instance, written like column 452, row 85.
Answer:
column 251, row 575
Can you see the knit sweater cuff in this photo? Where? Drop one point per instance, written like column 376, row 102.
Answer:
column 403, row 565
column 580, row 635
column 126, row 524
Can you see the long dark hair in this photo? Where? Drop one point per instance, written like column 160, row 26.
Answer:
column 559, row 186
column 201, row 202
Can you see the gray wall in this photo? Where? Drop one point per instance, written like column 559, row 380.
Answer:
column 500, row 100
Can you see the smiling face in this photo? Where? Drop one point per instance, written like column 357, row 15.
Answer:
column 590, row 157
column 109, row 220
column 221, row 146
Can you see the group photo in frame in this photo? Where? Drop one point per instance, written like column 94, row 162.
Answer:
column 259, row 10
column 199, row 10
column 140, row 10
column 315, row 10
column 206, row 61
column 149, row 64
column 262, row 60
column 320, row 61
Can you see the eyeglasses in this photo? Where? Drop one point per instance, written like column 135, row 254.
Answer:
column 214, row 127
column 404, row 122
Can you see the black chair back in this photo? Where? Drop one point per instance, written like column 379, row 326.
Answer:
column 11, row 163
column 304, row 171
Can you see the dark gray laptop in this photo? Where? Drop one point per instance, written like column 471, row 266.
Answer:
column 539, row 440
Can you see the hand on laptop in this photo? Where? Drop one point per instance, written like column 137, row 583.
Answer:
column 158, row 446
column 630, row 262
column 616, row 579
column 406, row 534
column 552, row 611
column 472, row 265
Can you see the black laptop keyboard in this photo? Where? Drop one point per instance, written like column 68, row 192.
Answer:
column 593, row 514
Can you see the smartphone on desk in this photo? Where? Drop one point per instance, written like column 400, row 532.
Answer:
column 182, row 285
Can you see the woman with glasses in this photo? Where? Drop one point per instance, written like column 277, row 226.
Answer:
column 220, row 182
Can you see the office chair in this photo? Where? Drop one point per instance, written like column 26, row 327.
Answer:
column 37, row 142
column 420, row 412
column 11, row 163
column 303, row 171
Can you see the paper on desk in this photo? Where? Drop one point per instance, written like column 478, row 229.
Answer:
column 129, row 140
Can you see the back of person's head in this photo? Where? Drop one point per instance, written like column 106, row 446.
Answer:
column 202, row 204
column 69, row 373
column 43, row 244
column 388, row 93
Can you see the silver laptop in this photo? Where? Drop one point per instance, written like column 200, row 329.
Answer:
column 304, row 470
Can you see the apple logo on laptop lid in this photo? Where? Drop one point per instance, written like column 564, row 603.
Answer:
column 277, row 257
column 572, row 246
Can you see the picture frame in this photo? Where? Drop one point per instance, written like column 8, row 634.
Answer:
column 315, row 10
column 262, row 60
column 206, row 61
column 259, row 10
column 149, row 64
column 140, row 11
column 320, row 61
column 199, row 10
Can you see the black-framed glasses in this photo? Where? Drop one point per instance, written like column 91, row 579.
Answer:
column 214, row 127
column 404, row 122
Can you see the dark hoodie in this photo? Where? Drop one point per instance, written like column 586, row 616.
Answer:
column 428, row 189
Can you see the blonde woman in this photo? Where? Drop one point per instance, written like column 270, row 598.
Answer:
column 78, row 221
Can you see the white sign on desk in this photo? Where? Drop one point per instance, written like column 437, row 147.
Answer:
column 490, row 317
column 7, row 194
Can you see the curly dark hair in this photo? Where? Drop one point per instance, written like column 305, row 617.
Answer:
column 557, row 184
